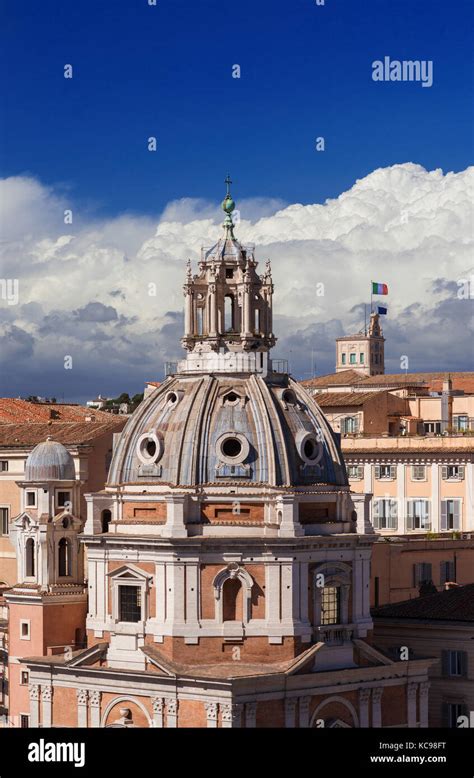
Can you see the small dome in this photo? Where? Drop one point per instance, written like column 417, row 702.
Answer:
column 50, row 461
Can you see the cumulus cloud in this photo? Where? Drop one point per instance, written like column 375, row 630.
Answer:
column 108, row 293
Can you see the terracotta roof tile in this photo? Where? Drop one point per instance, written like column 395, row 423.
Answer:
column 69, row 433
column 455, row 604
column 331, row 399
column 16, row 410
column 461, row 381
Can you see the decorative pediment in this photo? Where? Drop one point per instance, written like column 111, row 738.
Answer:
column 24, row 521
column 66, row 520
column 129, row 572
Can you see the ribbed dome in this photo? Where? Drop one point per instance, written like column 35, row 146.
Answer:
column 221, row 429
column 49, row 461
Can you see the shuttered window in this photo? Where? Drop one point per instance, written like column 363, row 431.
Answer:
column 450, row 514
column 418, row 514
column 418, row 473
column 385, row 514
column 385, row 472
column 422, row 573
column 447, row 572
column 454, row 663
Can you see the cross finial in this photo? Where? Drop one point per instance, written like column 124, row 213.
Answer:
column 228, row 183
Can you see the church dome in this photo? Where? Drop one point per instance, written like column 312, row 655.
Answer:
column 228, row 416
column 49, row 461
column 222, row 429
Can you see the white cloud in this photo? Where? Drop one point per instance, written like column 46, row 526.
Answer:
column 400, row 225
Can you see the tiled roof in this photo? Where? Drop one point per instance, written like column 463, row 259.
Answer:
column 344, row 378
column 331, row 399
column 68, row 433
column 15, row 410
column 461, row 381
column 456, row 604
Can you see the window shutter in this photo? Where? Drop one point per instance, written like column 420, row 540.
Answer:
column 377, row 471
column 410, row 522
column 428, row 574
column 444, row 472
column 456, row 514
column 360, row 471
column 376, row 513
column 427, row 504
column 444, row 515
column 461, row 472
column 445, row 718
column 443, row 568
column 393, row 471
column 356, row 424
column 463, row 663
column 445, row 663
column 416, row 574
column 393, row 519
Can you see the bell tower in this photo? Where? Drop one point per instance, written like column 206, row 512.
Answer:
column 363, row 352
column 228, row 306
column 48, row 605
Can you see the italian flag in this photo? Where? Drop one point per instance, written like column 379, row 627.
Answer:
column 379, row 288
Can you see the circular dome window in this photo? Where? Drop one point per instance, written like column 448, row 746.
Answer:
column 232, row 448
column 309, row 447
column 149, row 448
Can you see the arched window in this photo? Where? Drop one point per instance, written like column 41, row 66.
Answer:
column 228, row 313
column 232, row 600
column 200, row 320
column 30, row 558
column 64, row 557
column 257, row 321
column 105, row 520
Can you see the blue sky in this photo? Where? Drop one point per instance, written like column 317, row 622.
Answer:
column 167, row 71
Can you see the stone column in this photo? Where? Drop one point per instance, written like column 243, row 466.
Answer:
column 377, row 707
column 175, row 526
column 290, row 712
column 304, row 711
column 211, row 714
column 401, row 497
column 424, row 689
column 412, row 690
column 364, row 697
column 290, row 526
column 251, row 715
column 171, row 713
column 34, row 704
column 212, row 310
column 247, row 308
column 231, row 715
column 94, row 702
column 82, row 697
column 361, row 503
column 435, row 498
column 46, row 706
column 157, row 705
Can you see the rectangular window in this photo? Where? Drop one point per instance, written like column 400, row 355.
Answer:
column 451, row 713
column 454, row 663
column 453, row 472
column 25, row 678
column 350, row 425
column 447, row 572
column 361, row 358
column 385, row 514
column 418, row 473
column 376, row 592
column 343, row 359
column 24, row 721
column 25, row 629
column 3, row 465
column 353, row 359
column 450, row 514
column 432, row 427
column 31, row 499
column 418, row 514
column 385, row 472
column 4, row 521
column 330, row 605
column 130, row 603
column 461, row 423
column 422, row 573
column 355, row 472
column 62, row 498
